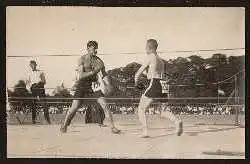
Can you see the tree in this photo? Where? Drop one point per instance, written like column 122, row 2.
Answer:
column 61, row 92
column 20, row 89
column 219, row 59
column 196, row 60
column 236, row 63
column 123, row 80
column 9, row 92
column 18, row 93
column 189, row 71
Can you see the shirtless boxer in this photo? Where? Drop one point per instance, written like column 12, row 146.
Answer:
column 155, row 68
column 90, row 69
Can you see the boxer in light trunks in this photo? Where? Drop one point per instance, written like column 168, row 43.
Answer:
column 155, row 68
column 90, row 69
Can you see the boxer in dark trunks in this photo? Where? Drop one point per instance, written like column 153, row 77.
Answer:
column 155, row 68
column 90, row 69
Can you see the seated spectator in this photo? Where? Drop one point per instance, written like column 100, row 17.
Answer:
column 123, row 110
column 243, row 109
column 195, row 110
column 158, row 111
column 130, row 109
column 151, row 110
column 201, row 108
column 81, row 110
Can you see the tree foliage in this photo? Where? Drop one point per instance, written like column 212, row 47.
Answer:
column 193, row 76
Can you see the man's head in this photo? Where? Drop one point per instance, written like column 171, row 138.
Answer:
column 151, row 46
column 92, row 47
column 33, row 64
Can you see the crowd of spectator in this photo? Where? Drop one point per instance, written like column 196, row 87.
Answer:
column 203, row 109
column 198, row 109
column 182, row 109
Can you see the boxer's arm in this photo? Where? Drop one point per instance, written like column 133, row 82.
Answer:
column 28, row 81
column 144, row 66
column 84, row 75
column 98, row 66
column 80, row 70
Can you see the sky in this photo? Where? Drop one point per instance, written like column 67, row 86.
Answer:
column 36, row 31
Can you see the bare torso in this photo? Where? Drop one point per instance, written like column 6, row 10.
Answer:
column 156, row 67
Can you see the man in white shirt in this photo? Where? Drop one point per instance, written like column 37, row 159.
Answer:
column 35, row 84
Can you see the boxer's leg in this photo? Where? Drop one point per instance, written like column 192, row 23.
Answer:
column 103, row 104
column 144, row 104
column 76, row 104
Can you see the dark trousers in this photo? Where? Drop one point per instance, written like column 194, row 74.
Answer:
column 38, row 90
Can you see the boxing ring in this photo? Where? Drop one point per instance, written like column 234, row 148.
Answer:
column 214, row 127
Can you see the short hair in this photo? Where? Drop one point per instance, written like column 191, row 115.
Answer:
column 33, row 62
column 152, row 43
column 92, row 43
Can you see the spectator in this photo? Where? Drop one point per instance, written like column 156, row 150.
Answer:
column 35, row 83
column 243, row 109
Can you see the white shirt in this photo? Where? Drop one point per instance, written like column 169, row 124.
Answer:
column 33, row 77
column 201, row 108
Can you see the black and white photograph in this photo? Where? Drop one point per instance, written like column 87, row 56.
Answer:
column 125, row 82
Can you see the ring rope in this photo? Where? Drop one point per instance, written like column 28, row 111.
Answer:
column 120, row 98
column 131, row 53
column 136, row 103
